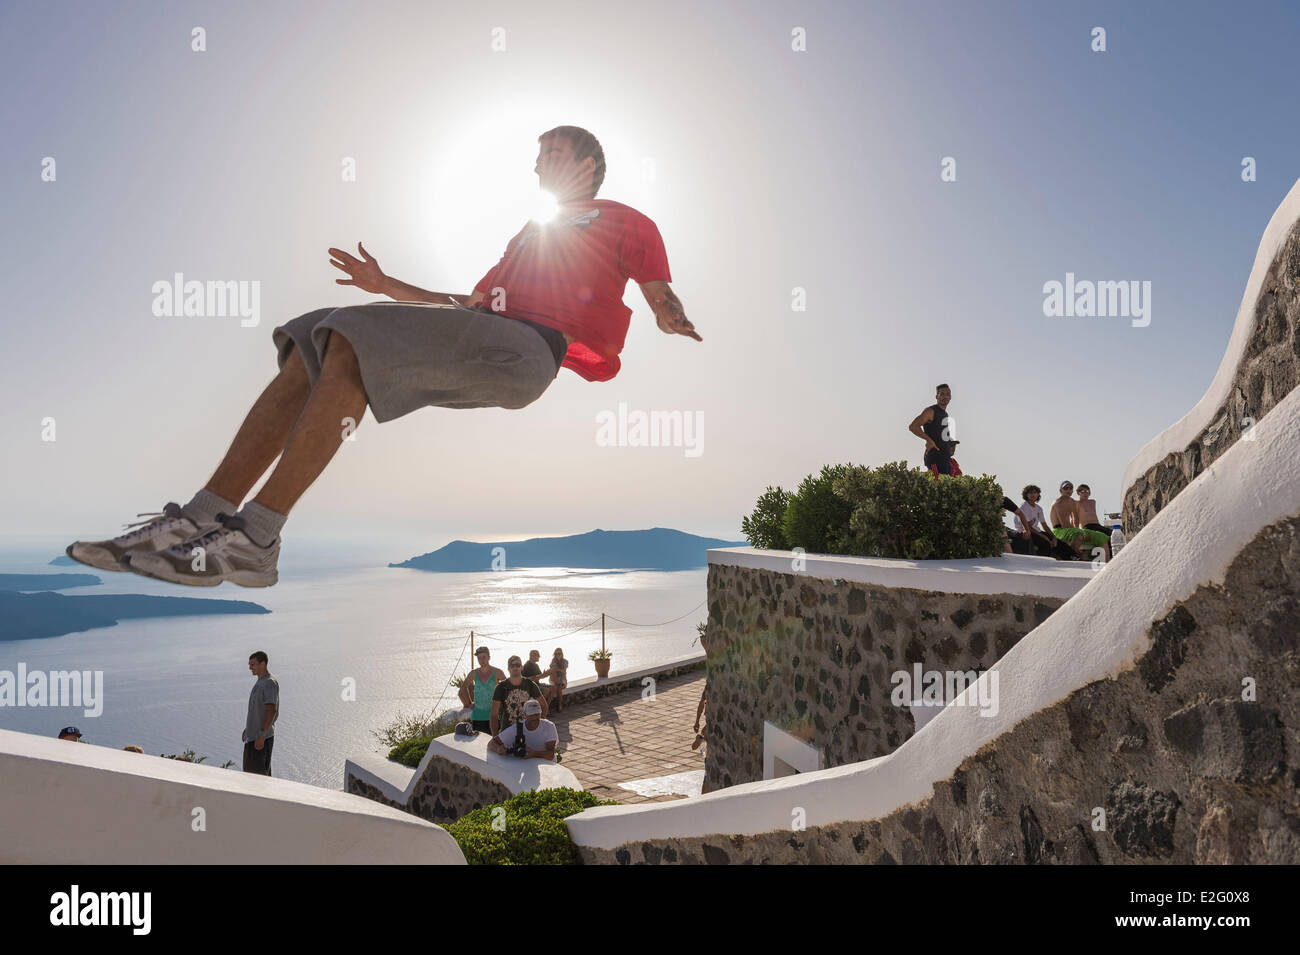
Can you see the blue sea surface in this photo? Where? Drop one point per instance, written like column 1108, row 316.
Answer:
column 339, row 617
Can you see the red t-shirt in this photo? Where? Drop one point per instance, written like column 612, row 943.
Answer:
column 570, row 274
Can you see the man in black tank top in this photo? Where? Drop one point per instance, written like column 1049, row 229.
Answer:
column 933, row 426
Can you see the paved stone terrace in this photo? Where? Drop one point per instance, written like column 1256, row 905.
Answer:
column 621, row 738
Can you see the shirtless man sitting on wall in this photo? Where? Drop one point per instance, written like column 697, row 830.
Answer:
column 1066, row 526
column 1085, row 510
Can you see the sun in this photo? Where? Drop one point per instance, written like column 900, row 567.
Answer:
column 544, row 207
column 473, row 200
column 477, row 186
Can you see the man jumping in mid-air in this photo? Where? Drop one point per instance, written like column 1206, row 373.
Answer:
column 554, row 300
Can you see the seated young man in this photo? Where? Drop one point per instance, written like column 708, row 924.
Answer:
column 1030, row 517
column 1086, row 511
column 1018, row 540
column 540, row 736
column 1065, row 526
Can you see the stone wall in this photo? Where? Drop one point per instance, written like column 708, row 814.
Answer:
column 814, row 657
column 1186, row 766
column 445, row 792
column 1269, row 369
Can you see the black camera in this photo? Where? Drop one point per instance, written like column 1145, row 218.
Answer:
column 520, row 746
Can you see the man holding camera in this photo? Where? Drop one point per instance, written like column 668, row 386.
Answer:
column 530, row 738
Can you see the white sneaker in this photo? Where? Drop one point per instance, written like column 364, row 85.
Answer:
column 158, row 531
column 224, row 552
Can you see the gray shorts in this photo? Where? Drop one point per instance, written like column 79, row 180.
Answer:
column 415, row 355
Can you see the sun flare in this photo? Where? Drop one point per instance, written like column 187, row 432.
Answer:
column 478, row 188
column 545, row 206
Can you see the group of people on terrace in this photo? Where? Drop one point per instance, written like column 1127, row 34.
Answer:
column 1074, row 531
column 513, row 708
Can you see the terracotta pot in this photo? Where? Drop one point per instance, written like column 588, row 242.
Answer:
column 602, row 668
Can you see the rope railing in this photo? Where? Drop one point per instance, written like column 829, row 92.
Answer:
column 674, row 620
column 501, row 638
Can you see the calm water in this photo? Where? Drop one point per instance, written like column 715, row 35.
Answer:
column 182, row 683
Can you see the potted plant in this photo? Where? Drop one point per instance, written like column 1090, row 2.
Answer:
column 601, row 659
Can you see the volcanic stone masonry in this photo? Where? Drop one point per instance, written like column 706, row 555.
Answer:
column 446, row 791
column 1187, row 757
column 1268, row 370
column 815, row 657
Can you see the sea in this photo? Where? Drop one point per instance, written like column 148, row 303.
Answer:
column 353, row 643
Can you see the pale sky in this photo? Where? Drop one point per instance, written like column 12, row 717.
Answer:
column 766, row 169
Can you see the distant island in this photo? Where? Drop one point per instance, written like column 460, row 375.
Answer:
column 30, row 616
column 47, row 581
column 659, row 548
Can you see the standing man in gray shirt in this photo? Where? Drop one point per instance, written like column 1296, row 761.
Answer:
column 263, row 708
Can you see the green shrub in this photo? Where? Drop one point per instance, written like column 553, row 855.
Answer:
column 533, row 832
column 907, row 513
column 766, row 526
column 816, row 517
column 187, row 756
column 889, row 511
column 409, row 752
column 405, row 728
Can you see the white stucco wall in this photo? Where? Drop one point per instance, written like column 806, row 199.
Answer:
column 68, row 803
column 1004, row 574
column 1180, row 434
column 1098, row 634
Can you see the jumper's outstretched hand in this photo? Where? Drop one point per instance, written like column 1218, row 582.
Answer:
column 676, row 323
column 364, row 273
column 669, row 314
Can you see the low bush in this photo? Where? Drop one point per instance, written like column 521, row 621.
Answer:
column 816, row 517
column 907, row 513
column 405, row 727
column 525, row 830
column 766, row 526
column 409, row 752
column 889, row 511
